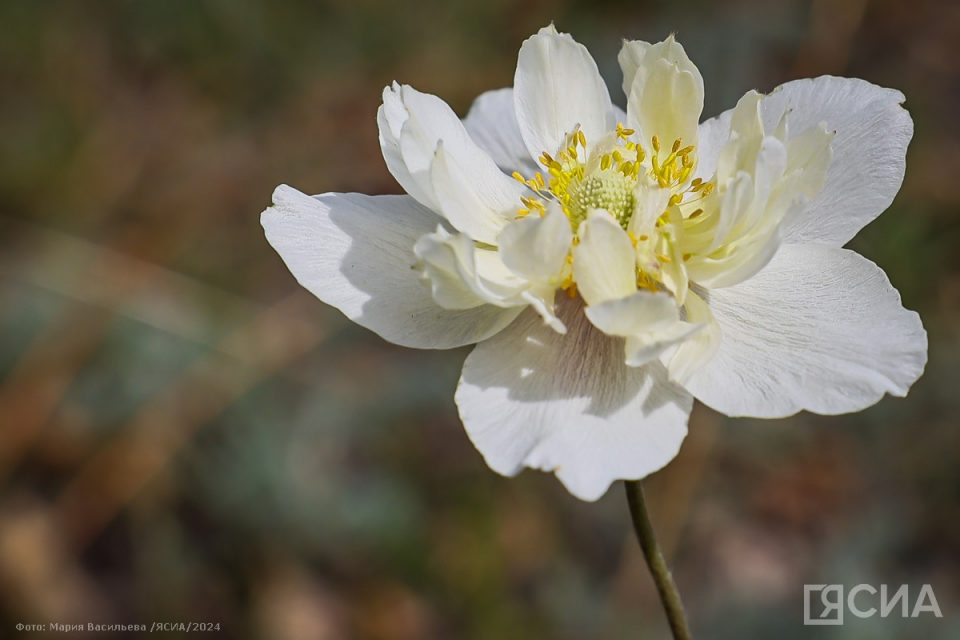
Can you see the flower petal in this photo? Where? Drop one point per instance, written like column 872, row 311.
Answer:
column 568, row 404
column 762, row 179
column 869, row 152
column 557, row 86
column 701, row 346
column 712, row 136
column 820, row 328
column 462, row 276
column 355, row 252
column 636, row 313
column 664, row 90
column 604, row 261
column 467, row 187
column 391, row 116
column 645, row 347
column 477, row 202
column 492, row 123
column 536, row 247
column 650, row 322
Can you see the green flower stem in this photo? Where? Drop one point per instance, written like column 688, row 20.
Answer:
column 669, row 595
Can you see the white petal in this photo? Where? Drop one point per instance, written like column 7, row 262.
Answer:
column 355, row 252
column 536, row 247
column 645, row 347
column 739, row 154
column 760, row 182
column 737, row 262
column 556, row 87
column 869, row 151
column 461, row 276
column 492, row 123
column 693, row 353
column 477, row 199
column 473, row 192
column 391, row 116
column 664, row 90
column 650, row 203
column 712, row 135
column 569, row 404
column 649, row 321
column 820, row 328
column 604, row 261
column 641, row 312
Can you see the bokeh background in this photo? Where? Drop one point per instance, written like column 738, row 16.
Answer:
column 186, row 435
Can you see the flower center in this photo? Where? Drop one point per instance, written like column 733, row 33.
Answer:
column 618, row 175
column 609, row 175
column 608, row 190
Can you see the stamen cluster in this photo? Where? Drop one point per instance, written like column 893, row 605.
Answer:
column 579, row 180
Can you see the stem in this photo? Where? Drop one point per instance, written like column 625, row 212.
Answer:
column 669, row 596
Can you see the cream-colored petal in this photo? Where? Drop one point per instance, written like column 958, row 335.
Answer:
column 604, row 261
column 872, row 131
column 536, row 247
column 641, row 312
column 650, row 322
column 651, row 202
column 763, row 178
column 739, row 153
column 557, row 87
column 462, row 276
column 664, row 90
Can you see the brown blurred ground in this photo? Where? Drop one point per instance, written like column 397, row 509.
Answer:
column 185, row 435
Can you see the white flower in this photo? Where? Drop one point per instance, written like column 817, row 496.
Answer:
column 633, row 261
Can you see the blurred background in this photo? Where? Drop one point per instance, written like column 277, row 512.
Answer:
column 186, row 435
